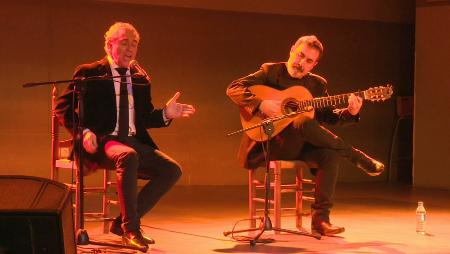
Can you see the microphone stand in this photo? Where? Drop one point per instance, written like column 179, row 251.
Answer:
column 268, row 127
column 79, row 89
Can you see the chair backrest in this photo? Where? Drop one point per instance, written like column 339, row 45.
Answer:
column 54, row 134
column 60, row 149
column 61, row 158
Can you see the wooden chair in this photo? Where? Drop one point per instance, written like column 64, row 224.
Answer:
column 60, row 159
column 278, row 188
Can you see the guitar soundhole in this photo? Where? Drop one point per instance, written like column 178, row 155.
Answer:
column 289, row 105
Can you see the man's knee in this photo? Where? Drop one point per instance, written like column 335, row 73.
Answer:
column 127, row 159
column 173, row 171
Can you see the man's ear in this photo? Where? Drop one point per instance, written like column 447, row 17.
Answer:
column 108, row 47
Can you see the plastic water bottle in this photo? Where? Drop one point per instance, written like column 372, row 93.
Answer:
column 420, row 218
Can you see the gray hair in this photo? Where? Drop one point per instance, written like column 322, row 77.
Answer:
column 111, row 34
column 311, row 41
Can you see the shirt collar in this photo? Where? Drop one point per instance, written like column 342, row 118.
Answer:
column 112, row 63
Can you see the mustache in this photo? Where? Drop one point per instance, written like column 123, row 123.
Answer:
column 298, row 67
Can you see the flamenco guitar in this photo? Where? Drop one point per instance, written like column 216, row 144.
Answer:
column 299, row 99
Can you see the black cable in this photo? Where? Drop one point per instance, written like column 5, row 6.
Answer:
column 242, row 238
column 185, row 233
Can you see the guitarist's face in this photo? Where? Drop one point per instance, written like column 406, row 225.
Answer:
column 302, row 60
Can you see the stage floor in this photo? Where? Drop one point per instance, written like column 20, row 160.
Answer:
column 378, row 218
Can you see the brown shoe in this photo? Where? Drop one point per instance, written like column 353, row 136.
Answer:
column 326, row 228
column 370, row 166
column 135, row 240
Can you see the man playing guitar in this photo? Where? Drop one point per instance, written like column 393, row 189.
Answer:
column 303, row 137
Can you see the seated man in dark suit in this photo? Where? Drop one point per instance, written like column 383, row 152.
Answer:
column 302, row 139
column 117, row 113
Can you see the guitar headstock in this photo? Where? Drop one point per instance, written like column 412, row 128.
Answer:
column 378, row 93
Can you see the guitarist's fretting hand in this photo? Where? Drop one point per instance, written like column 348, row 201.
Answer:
column 270, row 108
column 354, row 104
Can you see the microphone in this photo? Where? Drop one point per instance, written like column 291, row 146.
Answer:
column 141, row 72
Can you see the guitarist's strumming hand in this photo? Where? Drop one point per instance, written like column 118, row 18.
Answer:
column 89, row 141
column 270, row 108
column 354, row 104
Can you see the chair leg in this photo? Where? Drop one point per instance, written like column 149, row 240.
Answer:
column 78, row 202
column 105, row 205
column 299, row 198
column 277, row 195
column 251, row 196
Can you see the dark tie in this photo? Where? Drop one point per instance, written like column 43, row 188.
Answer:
column 123, row 104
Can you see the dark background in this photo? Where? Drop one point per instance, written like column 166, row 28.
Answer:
column 199, row 52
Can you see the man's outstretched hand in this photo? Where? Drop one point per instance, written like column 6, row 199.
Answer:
column 174, row 109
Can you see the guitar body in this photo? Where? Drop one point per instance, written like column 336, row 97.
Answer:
column 297, row 93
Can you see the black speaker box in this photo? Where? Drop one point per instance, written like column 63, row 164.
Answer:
column 35, row 216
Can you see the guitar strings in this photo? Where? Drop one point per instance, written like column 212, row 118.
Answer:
column 318, row 102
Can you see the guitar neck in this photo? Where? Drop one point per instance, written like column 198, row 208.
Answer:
column 335, row 100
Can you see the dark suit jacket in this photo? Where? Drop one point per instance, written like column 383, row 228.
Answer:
column 100, row 113
column 275, row 75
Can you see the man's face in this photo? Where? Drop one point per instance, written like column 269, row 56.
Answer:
column 123, row 49
column 302, row 60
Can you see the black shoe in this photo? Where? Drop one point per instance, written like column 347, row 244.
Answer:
column 147, row 239
column 135, row 240
column 116, row 229
column 370, row 166
column 326, row 228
